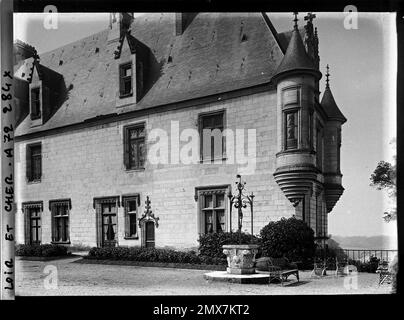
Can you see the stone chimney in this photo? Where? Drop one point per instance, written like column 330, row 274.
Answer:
column 182, row 21
column 119, row 22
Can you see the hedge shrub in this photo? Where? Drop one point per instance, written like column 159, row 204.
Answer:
column 367, row 266
column 291, row 238
column 42, row 250
column 151, row 255
column 210, row 245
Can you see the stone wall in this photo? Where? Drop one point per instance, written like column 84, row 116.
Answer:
column 85, row 163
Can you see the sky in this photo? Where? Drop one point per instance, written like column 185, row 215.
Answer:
column 363, row 64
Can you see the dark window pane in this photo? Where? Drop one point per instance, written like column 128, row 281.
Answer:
column 127, row 86
column 35, row 162
column 126, row 79
column 212, row 122
column 65, row 229
column 220, row 201
column 136, row 147
column 134, row 154
column 141, row 153
column 35, row 225
column 35, row 103
column 220, row 221
column 291, row 130
column 132, row 205
column 209, row 222
column 132, row 225
column 208, row 201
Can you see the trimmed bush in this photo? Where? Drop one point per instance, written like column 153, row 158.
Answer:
column 211, row 244
column 151, row 255
column 42, row 250
column 290, row 238
column 368, row 266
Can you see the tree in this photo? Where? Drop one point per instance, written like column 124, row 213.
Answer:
column 384, row 178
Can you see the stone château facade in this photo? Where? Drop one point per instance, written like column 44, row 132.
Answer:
column 87, row 110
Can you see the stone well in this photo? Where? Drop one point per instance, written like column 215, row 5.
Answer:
column 240, row 258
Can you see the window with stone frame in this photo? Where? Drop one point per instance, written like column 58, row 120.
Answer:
column 125, row 79
column 60, row 211
column 33, row 225
column 291, row 127
column 131, row 204
column 212, row 141
column 34, row 162
column 319, row 146
column 212, row 206
column 134, row 146
column 35, row 103
column 338, row 149
column 311, row 130
column 106, row 210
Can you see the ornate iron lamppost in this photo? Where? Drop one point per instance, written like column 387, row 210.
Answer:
column 240, row 201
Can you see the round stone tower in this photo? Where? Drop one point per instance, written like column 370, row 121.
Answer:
column 296, row 79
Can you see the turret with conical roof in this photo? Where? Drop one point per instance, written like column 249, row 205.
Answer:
column 296, row 78
column 328, row 102
column 332, row 171
column 296, row 59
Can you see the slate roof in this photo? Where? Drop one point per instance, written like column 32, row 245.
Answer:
column 330, row 106
column 208, row 58
column 284, row 37
column 296, row 57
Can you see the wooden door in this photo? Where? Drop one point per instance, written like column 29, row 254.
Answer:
column 150, row 242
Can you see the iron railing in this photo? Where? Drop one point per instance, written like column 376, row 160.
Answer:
column 362, row 255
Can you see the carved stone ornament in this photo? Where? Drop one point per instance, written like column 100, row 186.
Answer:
column 240, row 258
column 148, row 215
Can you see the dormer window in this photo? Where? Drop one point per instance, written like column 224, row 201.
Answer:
column 125, row 84
column 35, row 103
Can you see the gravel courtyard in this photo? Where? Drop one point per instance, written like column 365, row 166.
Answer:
column 32, row 278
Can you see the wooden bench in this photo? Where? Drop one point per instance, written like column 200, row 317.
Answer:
column 278, row 268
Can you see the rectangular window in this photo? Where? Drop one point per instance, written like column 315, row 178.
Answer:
column 213, row 211
column 35, row 103
column 211, row 128
column 134, row 147
column 109, row 221
column 311, row 130
column 60, row 220
column 106, row 209
column 339, row 150
column 33, row 225
column 34, row 162
column 131, row 206
column 125, row 83
column 291, row 129
column 319, row 146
